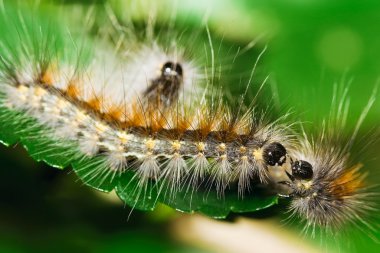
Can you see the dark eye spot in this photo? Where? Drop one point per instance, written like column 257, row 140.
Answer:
column 171, row 69
column 274, row 153
column 302, row 170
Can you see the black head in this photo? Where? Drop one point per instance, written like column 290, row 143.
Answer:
column 302, row 170
column 274, row 153
column 170, row 69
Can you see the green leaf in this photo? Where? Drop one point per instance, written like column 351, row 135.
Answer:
column 94, row 174
column 206, row 202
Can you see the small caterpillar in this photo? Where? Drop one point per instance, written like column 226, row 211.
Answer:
column 327, row 187
column 174, row 144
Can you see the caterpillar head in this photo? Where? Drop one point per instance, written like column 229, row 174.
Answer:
column 325, row 191
column 171, row 70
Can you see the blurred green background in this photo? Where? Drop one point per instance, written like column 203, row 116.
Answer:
column 311, row 45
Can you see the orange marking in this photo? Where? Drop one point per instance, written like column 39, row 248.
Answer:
column 95, row 103
column 46, row 78
column 135, row 117
column 72, row 90
column 349, row 183
column 208, row 121
column 156, row 121
column 114, row 113
column 182, row 123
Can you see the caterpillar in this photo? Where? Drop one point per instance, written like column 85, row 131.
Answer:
column 150, row 131
column 110, row 132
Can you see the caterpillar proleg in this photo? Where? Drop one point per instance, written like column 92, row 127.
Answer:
column 137, row 118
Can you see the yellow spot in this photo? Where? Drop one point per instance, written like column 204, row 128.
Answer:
column 223, row 156
column 242, row 149
column 22, row 89
column 244, row 158
column 308, row 185
column 80, row 116
column 123, row 138
column 258, row 154
column 39, row 92
column 315, row 194
column 149, row 144
column 222, row 147
column 201, row 146
column 176, row 145
column 61, row 104
column 100, row 128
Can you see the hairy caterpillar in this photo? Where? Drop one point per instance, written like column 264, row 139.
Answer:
column 153, row 138
column 156, row 135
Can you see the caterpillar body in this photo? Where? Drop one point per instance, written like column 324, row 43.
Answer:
column 141, row 123
column 144, row 121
